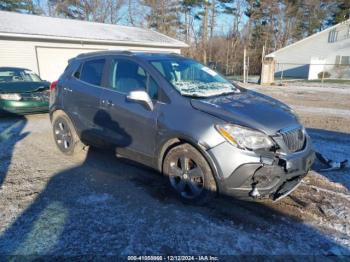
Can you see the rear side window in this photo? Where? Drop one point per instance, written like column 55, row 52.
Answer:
column 77, row 72
column 92, row 71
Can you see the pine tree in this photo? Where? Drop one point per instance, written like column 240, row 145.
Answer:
column 104, row 11
column 68, row 8
column 26, row 6
column 163, row 16
column 341, row 12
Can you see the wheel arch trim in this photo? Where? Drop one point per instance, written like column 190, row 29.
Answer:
column 181, row 139
column 53, row 112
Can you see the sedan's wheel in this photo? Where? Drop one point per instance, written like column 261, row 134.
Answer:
column 189, row 174
column 63, row 135
column 66, row 138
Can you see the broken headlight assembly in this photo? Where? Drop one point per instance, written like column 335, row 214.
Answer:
column 13, row 97
column 245, row 138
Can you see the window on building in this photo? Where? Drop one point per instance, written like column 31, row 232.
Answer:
column 333, row 36
column 342, row 60
column 345, row 60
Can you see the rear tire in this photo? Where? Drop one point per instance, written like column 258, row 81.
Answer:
column 66, row 137
column 190, row 174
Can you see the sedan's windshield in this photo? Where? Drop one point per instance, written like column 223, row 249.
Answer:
column 191, row 78
column 18, row 75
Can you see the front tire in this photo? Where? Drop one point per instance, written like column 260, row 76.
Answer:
column 65, row 136
column 190, row 174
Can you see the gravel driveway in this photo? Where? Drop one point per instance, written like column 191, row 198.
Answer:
column 55, row 205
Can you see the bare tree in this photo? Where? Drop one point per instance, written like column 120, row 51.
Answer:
column 104, row 11
column 254, row 24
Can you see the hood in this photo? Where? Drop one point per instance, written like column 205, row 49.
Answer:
column 23, row 87
column 250, row 109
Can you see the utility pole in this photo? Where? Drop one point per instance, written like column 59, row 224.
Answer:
column 227, row 56
column 263, row 54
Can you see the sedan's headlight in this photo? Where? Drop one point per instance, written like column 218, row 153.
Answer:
column 15, row 97
column 245, row 138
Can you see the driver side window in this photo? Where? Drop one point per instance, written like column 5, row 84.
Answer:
column 127, row 76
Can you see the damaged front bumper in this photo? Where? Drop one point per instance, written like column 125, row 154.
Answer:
column 247, row 174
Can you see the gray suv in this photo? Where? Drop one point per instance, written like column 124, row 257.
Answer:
column 183, row 119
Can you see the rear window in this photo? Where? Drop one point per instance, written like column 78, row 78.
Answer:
column 92, row 71
column 18, row 75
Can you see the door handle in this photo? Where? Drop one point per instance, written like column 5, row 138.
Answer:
column 67, row 89
column 110, row 103
column 107, row 102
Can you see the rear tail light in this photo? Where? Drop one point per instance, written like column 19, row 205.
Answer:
column 53, row 85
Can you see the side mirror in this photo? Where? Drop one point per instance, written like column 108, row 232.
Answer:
column 142, row 98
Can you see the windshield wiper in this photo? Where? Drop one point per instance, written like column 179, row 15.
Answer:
column 194, row 95
column 209, row 95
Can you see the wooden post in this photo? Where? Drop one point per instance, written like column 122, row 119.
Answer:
column 268, row 71
column 244, row 64
column 322, row 75
column 281, row 74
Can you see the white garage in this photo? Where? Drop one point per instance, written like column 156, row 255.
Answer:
column 45, row 44
column 52, row 60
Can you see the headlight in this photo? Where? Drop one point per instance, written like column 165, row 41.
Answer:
column 245, row 138
column 15, row 97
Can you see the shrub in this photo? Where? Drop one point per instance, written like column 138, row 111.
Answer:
column 325, row 74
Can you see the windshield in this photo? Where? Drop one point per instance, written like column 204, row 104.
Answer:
column 18, row 75
column 191, row 78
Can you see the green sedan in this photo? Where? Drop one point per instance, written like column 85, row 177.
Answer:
column 22, row 91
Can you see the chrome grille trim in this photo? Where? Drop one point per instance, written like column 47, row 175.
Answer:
column 294, row 139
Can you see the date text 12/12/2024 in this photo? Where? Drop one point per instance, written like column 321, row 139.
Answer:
column 173, row 258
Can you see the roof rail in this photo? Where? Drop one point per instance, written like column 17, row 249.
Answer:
column 102, row 52
column 127, row 52
column 175, row 54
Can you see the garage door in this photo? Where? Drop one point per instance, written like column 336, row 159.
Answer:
column 53, row 61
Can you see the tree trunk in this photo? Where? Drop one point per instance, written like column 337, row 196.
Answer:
column 212, row 27
column 205, row 31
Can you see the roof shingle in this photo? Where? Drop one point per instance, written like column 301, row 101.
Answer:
column 69, row 29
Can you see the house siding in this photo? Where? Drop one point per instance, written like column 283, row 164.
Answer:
column 294, row 60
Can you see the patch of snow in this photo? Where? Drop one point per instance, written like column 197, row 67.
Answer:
column 334, row 146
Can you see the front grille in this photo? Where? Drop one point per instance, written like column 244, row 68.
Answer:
column 294, row 139
column 36, row 96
